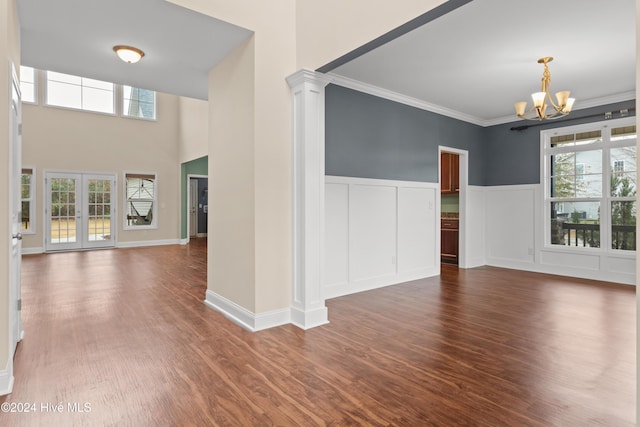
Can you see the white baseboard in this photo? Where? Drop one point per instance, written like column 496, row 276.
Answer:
column 347, row 288
column 6, row 378
column 148, row 243
column 32, row 251
column 244, row 318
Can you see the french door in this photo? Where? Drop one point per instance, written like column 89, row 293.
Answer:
column 80, row 211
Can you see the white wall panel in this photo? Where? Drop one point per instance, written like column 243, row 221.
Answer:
column 417, row 228
column 475, row 232
column 622, row 265
column 514, row 239
column 372, row 231
column 336, row 234
column 570, row 260
column 510, row 219
column 378, row 233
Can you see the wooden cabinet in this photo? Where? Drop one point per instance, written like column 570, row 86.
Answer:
column 449, row 173
column 449, row 240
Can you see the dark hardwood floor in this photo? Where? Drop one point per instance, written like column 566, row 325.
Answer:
column 126, row 332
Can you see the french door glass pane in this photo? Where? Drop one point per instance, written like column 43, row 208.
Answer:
column 63, row 210
column 99, row 204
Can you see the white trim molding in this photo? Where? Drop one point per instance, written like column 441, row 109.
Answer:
column 7, row 378
column 244, row 318
column 427, row 106
column 32, row 251
column 143, row 243
column 307, row 98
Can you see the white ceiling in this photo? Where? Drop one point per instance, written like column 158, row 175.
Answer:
column 472, row 63
column 476, row 61
column 77, row 37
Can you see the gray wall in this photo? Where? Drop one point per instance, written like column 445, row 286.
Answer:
column 371, row 137
column 513, row 156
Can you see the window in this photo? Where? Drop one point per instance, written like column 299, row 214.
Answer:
column 590, row 176
column 139, row 103
column 27, row 192
column 28, row 84
column 618, row 167
column 141, row 196
column 580, row 171
column 65, row 90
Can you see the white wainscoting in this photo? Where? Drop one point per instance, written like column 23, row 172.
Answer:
column 474, row 240
column 515, row 239
column 378, row 233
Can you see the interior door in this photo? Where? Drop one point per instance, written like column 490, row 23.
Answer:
column 79, row 212
column 193, row 207
column 15, row 207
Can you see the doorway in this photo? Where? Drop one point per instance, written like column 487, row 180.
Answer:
column 453, row 186
column 79, row 211
column 197, row 205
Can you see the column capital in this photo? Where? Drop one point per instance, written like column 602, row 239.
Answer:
column 308, row 76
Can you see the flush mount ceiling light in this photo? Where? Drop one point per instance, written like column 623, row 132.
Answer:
column 543, row 99
column 128, row 54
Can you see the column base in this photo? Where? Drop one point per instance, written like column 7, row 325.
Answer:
column 310, row 318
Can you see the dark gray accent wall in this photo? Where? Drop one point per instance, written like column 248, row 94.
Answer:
column 371, row 137
column 513, row 156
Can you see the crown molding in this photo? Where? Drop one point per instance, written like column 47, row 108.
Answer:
column 403, row 99
column 423, row 105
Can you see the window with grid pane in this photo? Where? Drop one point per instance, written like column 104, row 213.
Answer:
column 590, row 175
column 141, row 197
column 27, row 192
column 65, row 90
column 28, row 84
column 139, row 103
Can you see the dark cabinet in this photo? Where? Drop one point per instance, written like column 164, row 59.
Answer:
column 449, row 173
column 449, row 240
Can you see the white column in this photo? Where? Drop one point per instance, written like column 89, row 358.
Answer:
column 307, row 90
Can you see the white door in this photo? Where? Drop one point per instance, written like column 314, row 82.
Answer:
column 193, row 207
column 15, row 206
column 80, row 212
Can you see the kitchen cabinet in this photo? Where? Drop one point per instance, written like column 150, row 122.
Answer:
column 449, row 240
column 449, row 173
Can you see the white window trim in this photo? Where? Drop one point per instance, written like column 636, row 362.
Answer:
column 154, row 221
column 40, row 95
column 62, row 107
column 122, row 114
column 36, row 88
column 32, row 202
column 605, row 199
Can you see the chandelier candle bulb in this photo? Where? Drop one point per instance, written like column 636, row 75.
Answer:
column 562, row 98
column 538, row 99
column 520, row 107
column 569, row 105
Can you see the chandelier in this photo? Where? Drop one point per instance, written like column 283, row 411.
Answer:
column 543, row 99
